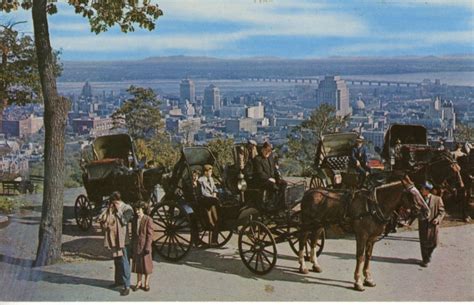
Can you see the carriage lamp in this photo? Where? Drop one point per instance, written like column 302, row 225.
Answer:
column 130, row 160
column 241, row 184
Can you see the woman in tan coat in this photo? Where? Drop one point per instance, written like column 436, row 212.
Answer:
column 142, row 237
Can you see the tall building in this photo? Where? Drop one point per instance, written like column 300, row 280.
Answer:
column 212, row 99
column 87, row 90
column 333, row 90
column 187, row 91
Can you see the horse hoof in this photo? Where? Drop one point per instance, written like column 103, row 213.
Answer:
column 317, row 269
column 304, row 271
column 369, row 283
column 359, row 287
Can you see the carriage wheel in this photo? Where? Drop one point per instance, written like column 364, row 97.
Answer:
column 222, row 238
column 316, row 182
column 257, row 248
column 172, row 231
column 294, row 244
column 83, row 212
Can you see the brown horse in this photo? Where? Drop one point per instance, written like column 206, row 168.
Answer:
column 367, row 213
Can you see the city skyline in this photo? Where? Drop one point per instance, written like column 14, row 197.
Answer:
column 303, row 29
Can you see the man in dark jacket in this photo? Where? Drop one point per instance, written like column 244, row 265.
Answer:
column 265, row 173
column 428, row 226
column 358, row 159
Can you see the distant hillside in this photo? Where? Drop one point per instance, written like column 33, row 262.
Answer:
column 176, row 67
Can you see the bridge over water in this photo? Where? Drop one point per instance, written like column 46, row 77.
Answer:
column 361, row 82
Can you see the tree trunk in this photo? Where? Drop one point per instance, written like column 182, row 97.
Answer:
column 55, row 111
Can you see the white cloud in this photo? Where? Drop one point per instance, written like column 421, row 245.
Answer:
column 462, row 3
column 107, row 43
column 272, row 18
column 408, row 41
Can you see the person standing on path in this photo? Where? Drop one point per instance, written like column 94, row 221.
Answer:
column 428, row 227
column 114, row 221
column 142, row 238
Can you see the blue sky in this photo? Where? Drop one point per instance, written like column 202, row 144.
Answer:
column 283, row 28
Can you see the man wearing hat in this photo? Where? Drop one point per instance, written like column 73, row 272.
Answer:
column 428, row 226
column 358, row 159
column 265, row 173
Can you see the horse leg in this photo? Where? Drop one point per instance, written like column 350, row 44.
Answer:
column 313, row 257
column 361, row 244
column 302, row 242
column 369, row 281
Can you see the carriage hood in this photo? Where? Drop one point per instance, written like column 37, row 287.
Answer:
column 334, row 145
column 113, row 146
column 408, row 134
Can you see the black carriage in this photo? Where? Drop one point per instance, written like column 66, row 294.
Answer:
column 279, row 220
column 331, row 164
column 406, row 146
column 181, row 222
column 109, row 164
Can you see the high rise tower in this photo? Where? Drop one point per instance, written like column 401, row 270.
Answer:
column 333, row 90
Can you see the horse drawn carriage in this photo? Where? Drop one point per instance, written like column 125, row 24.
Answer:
column 110, row 164
column 181, row 221
column 406, row 147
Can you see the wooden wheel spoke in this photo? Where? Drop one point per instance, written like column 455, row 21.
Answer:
column 251, row 257
column 182, row 238
column 160, row 217
column 170, row 245
column 256, row 261
column 180, row 245
column 248, row 244
column 266, row 251
column 266, row 258
column 164, row 243
column 160, row 238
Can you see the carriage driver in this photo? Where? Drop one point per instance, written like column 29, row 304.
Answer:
column 266, row 173
column 358, row 159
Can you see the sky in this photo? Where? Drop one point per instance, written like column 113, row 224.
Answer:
column 280, row 28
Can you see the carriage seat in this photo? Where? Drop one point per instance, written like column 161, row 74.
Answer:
column 340, row 163
column 101, row 169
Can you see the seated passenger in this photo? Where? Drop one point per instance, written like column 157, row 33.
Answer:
column 192, row 189
column 209, row 200
column 250, row 153
column 266, row 175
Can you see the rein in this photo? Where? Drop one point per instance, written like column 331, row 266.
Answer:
column 374, row 208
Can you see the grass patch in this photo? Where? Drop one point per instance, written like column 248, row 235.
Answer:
column 10, row 204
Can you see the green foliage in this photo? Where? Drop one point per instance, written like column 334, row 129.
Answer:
column 302, row 143
column 142, row 117
column 103, row 14
column 159, row 149
column 140, row 114
column 10, row 204
column 222, row 149
column 464, row 133
column 19, row 77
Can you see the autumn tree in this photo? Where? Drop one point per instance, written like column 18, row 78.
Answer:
column 140, row 115
column 302, row 142
column 222, row 150
column 19, row 78
column 464, row 133
column 101, row 15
